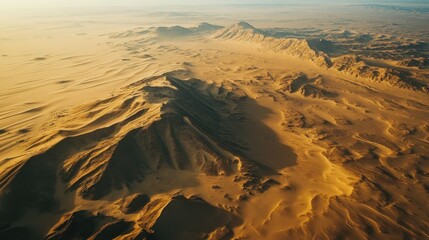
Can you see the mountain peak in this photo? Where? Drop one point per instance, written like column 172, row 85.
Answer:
column 244, row 25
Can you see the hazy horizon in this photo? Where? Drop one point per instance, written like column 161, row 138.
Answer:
column 20, row 4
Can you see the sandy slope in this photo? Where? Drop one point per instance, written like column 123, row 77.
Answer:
column 224, row 133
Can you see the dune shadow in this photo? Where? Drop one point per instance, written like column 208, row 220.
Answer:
column 243, row 131
column 193, row 218
column 264, row 144
column 165, row 181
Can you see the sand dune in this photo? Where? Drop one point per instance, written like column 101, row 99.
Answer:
column 222, row 132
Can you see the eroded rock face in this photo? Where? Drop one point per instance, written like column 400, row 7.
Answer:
column 413, row 62
column 306, row 86
column 113, row 229
column 353, row 65
column 76, row 225
column 315, row 51
column 85, row 225
column 192, row 217
column 133, row 203
column 243, row 31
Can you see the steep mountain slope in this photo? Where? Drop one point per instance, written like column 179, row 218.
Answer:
column 315, row 51
column 243, row 31
column 164, row 123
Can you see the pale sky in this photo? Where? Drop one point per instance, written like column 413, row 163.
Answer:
column 56, row 3
column 5, row 4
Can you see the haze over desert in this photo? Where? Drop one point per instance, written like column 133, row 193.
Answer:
column 202, row 120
